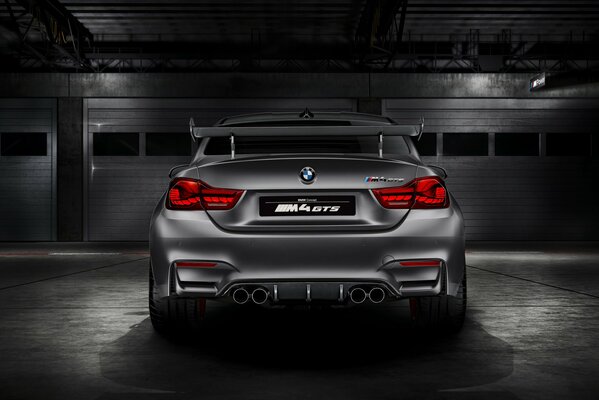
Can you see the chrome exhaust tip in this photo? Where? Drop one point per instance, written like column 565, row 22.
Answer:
column 259, row 296
column 376, row 295
column 357, row 295
column 241, row 296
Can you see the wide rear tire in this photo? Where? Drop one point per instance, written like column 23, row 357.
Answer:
column 443, row 312
column 170, row 314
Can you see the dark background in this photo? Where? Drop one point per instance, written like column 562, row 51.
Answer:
column 96, row 97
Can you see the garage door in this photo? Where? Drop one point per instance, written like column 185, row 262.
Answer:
column 132, row 143
column 521, row 169
column 27, row 170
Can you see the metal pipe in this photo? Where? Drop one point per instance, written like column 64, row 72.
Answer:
column 241, row 296
column 259, row 296
column 376, row 295
column 357, row 295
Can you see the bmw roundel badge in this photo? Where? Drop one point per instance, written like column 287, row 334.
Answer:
column 307, row 175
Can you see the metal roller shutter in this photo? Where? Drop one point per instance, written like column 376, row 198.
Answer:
column 122, row 190
column 27, row 170
column 515, row 197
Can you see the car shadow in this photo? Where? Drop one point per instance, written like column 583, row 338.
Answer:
column 363, row 352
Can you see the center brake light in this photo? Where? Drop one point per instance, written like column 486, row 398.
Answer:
column 193, row 194
column 424, row 193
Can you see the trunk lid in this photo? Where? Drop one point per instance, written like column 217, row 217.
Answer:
column 276, row 199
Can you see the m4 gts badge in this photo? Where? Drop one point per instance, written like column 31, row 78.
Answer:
column 382, row 179
column 294, row 208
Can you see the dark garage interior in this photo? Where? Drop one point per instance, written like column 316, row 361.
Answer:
column 95, row 103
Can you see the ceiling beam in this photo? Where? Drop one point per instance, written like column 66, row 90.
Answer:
column 378, row 31
column 399, row 33
column 59, row 21
column 67, row 36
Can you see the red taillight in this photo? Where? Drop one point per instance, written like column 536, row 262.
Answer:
column 194, row 264
column 420, row 263
column 426, row 192
column 191, row 194
column 184, row 194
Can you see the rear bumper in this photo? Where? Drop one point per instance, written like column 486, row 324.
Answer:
column 397, row 281
column 307, row 257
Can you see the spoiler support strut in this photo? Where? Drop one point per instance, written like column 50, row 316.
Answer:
column 355, row 130
column 232, row 146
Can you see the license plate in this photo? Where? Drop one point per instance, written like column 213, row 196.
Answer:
column 287, row 206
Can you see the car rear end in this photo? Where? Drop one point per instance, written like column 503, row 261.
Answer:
column 291, row 219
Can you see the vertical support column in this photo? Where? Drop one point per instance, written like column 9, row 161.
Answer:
column 370, row 105
column 70, row 169
column 542, row 144
column 491, row 144
column 142, row 144
column 439, row 144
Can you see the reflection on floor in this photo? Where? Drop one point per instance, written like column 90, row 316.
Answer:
column 74, row 324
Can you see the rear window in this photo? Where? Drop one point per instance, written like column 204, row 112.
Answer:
column 516, row 144
column 23, row 144
column 427, row 145
column 569, row 144
column 116, row 144
column 307, row 144
column 466, row 144
column 168, row 144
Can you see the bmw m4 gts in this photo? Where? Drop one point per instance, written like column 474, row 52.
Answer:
column 308, row 208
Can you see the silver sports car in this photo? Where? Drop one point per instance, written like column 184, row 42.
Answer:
column 307, row 208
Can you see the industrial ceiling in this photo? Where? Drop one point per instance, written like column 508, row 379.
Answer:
column 310, row 36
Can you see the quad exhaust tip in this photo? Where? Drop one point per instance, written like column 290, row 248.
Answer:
column 259, row 296
column 376, row 295
column 241, row 296
column 357, row 295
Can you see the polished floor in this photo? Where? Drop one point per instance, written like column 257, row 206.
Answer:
column 74, row 325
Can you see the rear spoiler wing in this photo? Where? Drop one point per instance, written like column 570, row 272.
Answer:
column 414, row 130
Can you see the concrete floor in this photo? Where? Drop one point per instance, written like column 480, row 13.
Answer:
column 75, row 325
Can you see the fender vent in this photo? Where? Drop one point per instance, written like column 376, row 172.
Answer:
column 443, row 279
column 172, row 287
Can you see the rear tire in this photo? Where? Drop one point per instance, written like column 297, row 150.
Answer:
column 443, row 312
column 170, row 314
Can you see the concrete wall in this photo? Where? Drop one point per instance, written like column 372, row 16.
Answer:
column 368, row 89
column 335, row 85
column 70, row 169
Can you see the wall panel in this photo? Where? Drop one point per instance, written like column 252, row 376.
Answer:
column 122, row 191
column 27, row 182
column 515, row 197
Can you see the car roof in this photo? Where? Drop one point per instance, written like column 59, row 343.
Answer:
column 307, row 117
